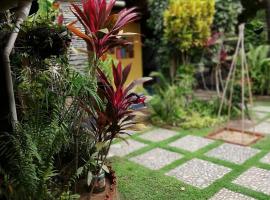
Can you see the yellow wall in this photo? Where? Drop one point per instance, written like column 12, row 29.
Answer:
column 136, row 69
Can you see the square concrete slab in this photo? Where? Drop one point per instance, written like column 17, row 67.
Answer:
column 261, row 115
column 191, row 143
column 124, row 148
column 225, row 194
column 261, row 108
column 158, row 135
column 256, row 179
column 199, row 173
column 233, row 153
column 266, row 159
column 156, row 158
column 263, row 128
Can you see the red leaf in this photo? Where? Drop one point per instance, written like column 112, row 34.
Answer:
column 125, row 73
column 116, row 76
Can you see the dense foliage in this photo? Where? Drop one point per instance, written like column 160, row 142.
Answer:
column 259, row 62
column 175, row 105
column 226, row 15
column 156, row 43
column 188, row 23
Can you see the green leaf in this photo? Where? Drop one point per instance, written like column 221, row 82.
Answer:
column 89, row 178
column 106, row 169
column 79, row 171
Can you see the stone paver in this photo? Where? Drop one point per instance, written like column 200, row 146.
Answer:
column 261, row 108
column 191, row 143
column 233, row 153
column 261, row 115
column 225, row 194
column 124, row 148
column 156, row 158
column 266, row 159
column 256, row 179
column 158, row 135
column 263, row 128
column 199, row 173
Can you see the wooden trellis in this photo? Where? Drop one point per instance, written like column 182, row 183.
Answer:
column 239, row 55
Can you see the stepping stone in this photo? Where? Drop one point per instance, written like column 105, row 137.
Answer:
column 158, row 135
column 156, row 158
column 124, row 148
column 191, row 143
column 225, row 194
column 261, row 115
column 199, row 173
column 263, row 128
column 261, row 109
column 266, row 159
column 233, row 153
column 255, row 179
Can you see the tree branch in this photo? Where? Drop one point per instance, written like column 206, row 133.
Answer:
column 21, row 14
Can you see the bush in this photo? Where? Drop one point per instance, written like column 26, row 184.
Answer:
column 174, row 104
column 188, row 23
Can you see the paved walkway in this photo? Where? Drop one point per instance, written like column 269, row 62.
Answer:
column 210, row 160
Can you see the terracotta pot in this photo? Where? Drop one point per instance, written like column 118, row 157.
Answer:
column 110, row 192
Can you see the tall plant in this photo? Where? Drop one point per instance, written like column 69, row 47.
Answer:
column 188, row 24
column 103, row 31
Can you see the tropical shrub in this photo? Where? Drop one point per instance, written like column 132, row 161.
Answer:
column 175, row 105
column 188, row 23
column 259, row 62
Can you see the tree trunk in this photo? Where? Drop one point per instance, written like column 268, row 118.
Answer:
column 8, row 114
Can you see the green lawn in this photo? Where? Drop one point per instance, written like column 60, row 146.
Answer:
column 136, row 182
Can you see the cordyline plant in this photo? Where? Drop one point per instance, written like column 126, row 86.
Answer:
column 103, row 31
column 117, row 116
column 102, row 28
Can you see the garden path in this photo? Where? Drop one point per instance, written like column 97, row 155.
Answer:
column 204, row 163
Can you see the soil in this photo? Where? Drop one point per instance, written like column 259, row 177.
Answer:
column 235, row 136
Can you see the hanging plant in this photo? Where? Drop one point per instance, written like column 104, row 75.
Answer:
column 43, row 40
